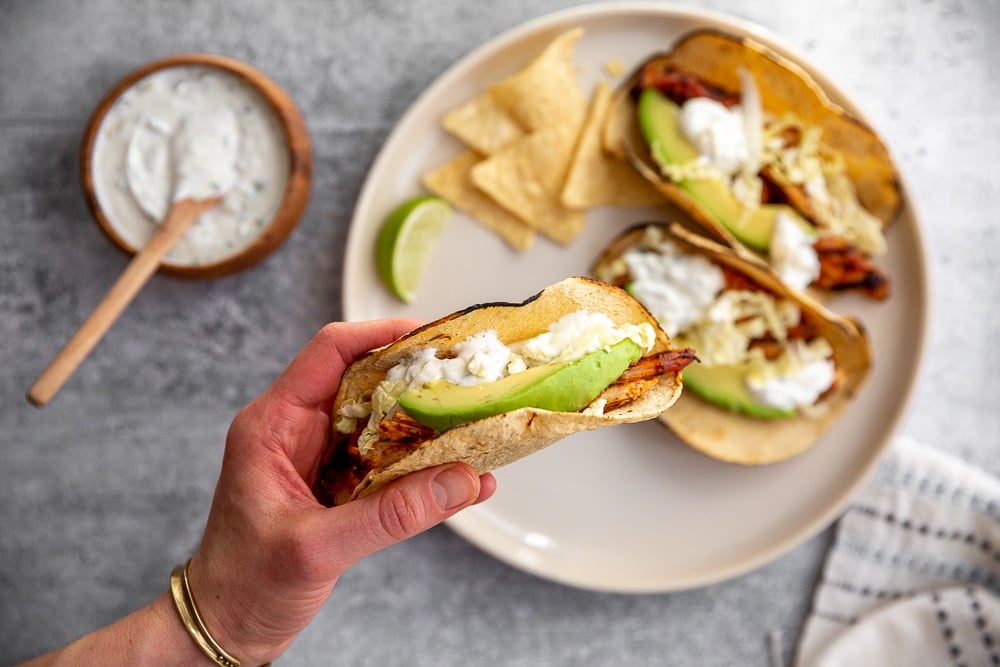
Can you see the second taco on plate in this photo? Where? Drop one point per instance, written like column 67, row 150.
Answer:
column 775, row 368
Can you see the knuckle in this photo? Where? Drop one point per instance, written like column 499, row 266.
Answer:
column 241, row 426
column 329, row 332
column 244, row 417
column 257, row 423
column 400, row 515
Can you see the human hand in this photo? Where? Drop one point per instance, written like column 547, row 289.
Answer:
column 271, row 553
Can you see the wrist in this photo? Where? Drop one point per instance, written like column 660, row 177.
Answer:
column 226, row 618
column 193, row 622
column 173, row 638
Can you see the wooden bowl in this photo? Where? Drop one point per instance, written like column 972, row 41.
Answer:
column 296, row 138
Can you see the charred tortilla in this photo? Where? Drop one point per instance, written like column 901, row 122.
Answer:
column 643, row 392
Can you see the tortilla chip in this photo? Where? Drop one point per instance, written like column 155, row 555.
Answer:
column 482, row 125
column 452, row 181
column 597, row 178
column 527, row 127
column 492, row 442
column 526, row 179
column 546, row 91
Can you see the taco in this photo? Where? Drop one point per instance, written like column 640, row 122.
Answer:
column 775, row 368
column 751, row 148
column 495, row 382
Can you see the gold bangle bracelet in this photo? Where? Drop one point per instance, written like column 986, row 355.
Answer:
column 180, row 587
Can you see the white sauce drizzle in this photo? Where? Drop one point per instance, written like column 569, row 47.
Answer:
column 792, row 253
column 717, row 132
column 191, row 132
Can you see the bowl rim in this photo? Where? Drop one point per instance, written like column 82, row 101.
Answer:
column 297, row 142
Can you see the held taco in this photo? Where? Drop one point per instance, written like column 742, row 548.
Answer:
column 776, row 368
column 495, row 382
column 747, row 144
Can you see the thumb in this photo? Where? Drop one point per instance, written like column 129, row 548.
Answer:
column 404, row 508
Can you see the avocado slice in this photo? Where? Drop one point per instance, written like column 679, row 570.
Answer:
column 724, row 386
column 658, row 120
column 559, row 387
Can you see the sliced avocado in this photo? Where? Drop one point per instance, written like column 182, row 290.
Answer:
column 658, row 120
column 560, row 387
column 724, row 386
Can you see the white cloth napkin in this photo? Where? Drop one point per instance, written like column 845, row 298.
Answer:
column 913, row 576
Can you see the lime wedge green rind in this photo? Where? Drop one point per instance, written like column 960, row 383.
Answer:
column 406, row 241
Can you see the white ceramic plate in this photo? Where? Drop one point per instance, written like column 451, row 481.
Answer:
column 628, row 509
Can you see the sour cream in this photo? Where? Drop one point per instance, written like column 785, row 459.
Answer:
column 577, row 334
column 479, row 358
column 677, row 288
column 482, row 357
column 719, row 133
column 792, row 253
column 191, row 132
column 797, row 380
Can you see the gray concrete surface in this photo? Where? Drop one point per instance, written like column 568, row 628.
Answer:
column 102, row 492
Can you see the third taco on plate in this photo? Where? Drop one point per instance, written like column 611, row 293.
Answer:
column 750, row 146
column 775, row 368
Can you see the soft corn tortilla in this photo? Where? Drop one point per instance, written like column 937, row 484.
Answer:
column 734, row 437
column 493, row 442
column 717, row 58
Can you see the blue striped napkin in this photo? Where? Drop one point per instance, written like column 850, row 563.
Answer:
column 913, row 576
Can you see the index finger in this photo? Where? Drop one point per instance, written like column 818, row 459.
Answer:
column 313, row 376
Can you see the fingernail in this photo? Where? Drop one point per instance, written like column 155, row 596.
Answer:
column 452, row 487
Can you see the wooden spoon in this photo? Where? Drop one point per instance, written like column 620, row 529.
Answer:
column 181, row 215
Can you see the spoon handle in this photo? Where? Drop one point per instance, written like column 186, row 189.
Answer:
column 136, row 274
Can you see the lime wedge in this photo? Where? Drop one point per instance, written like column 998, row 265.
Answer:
column 406, row 240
